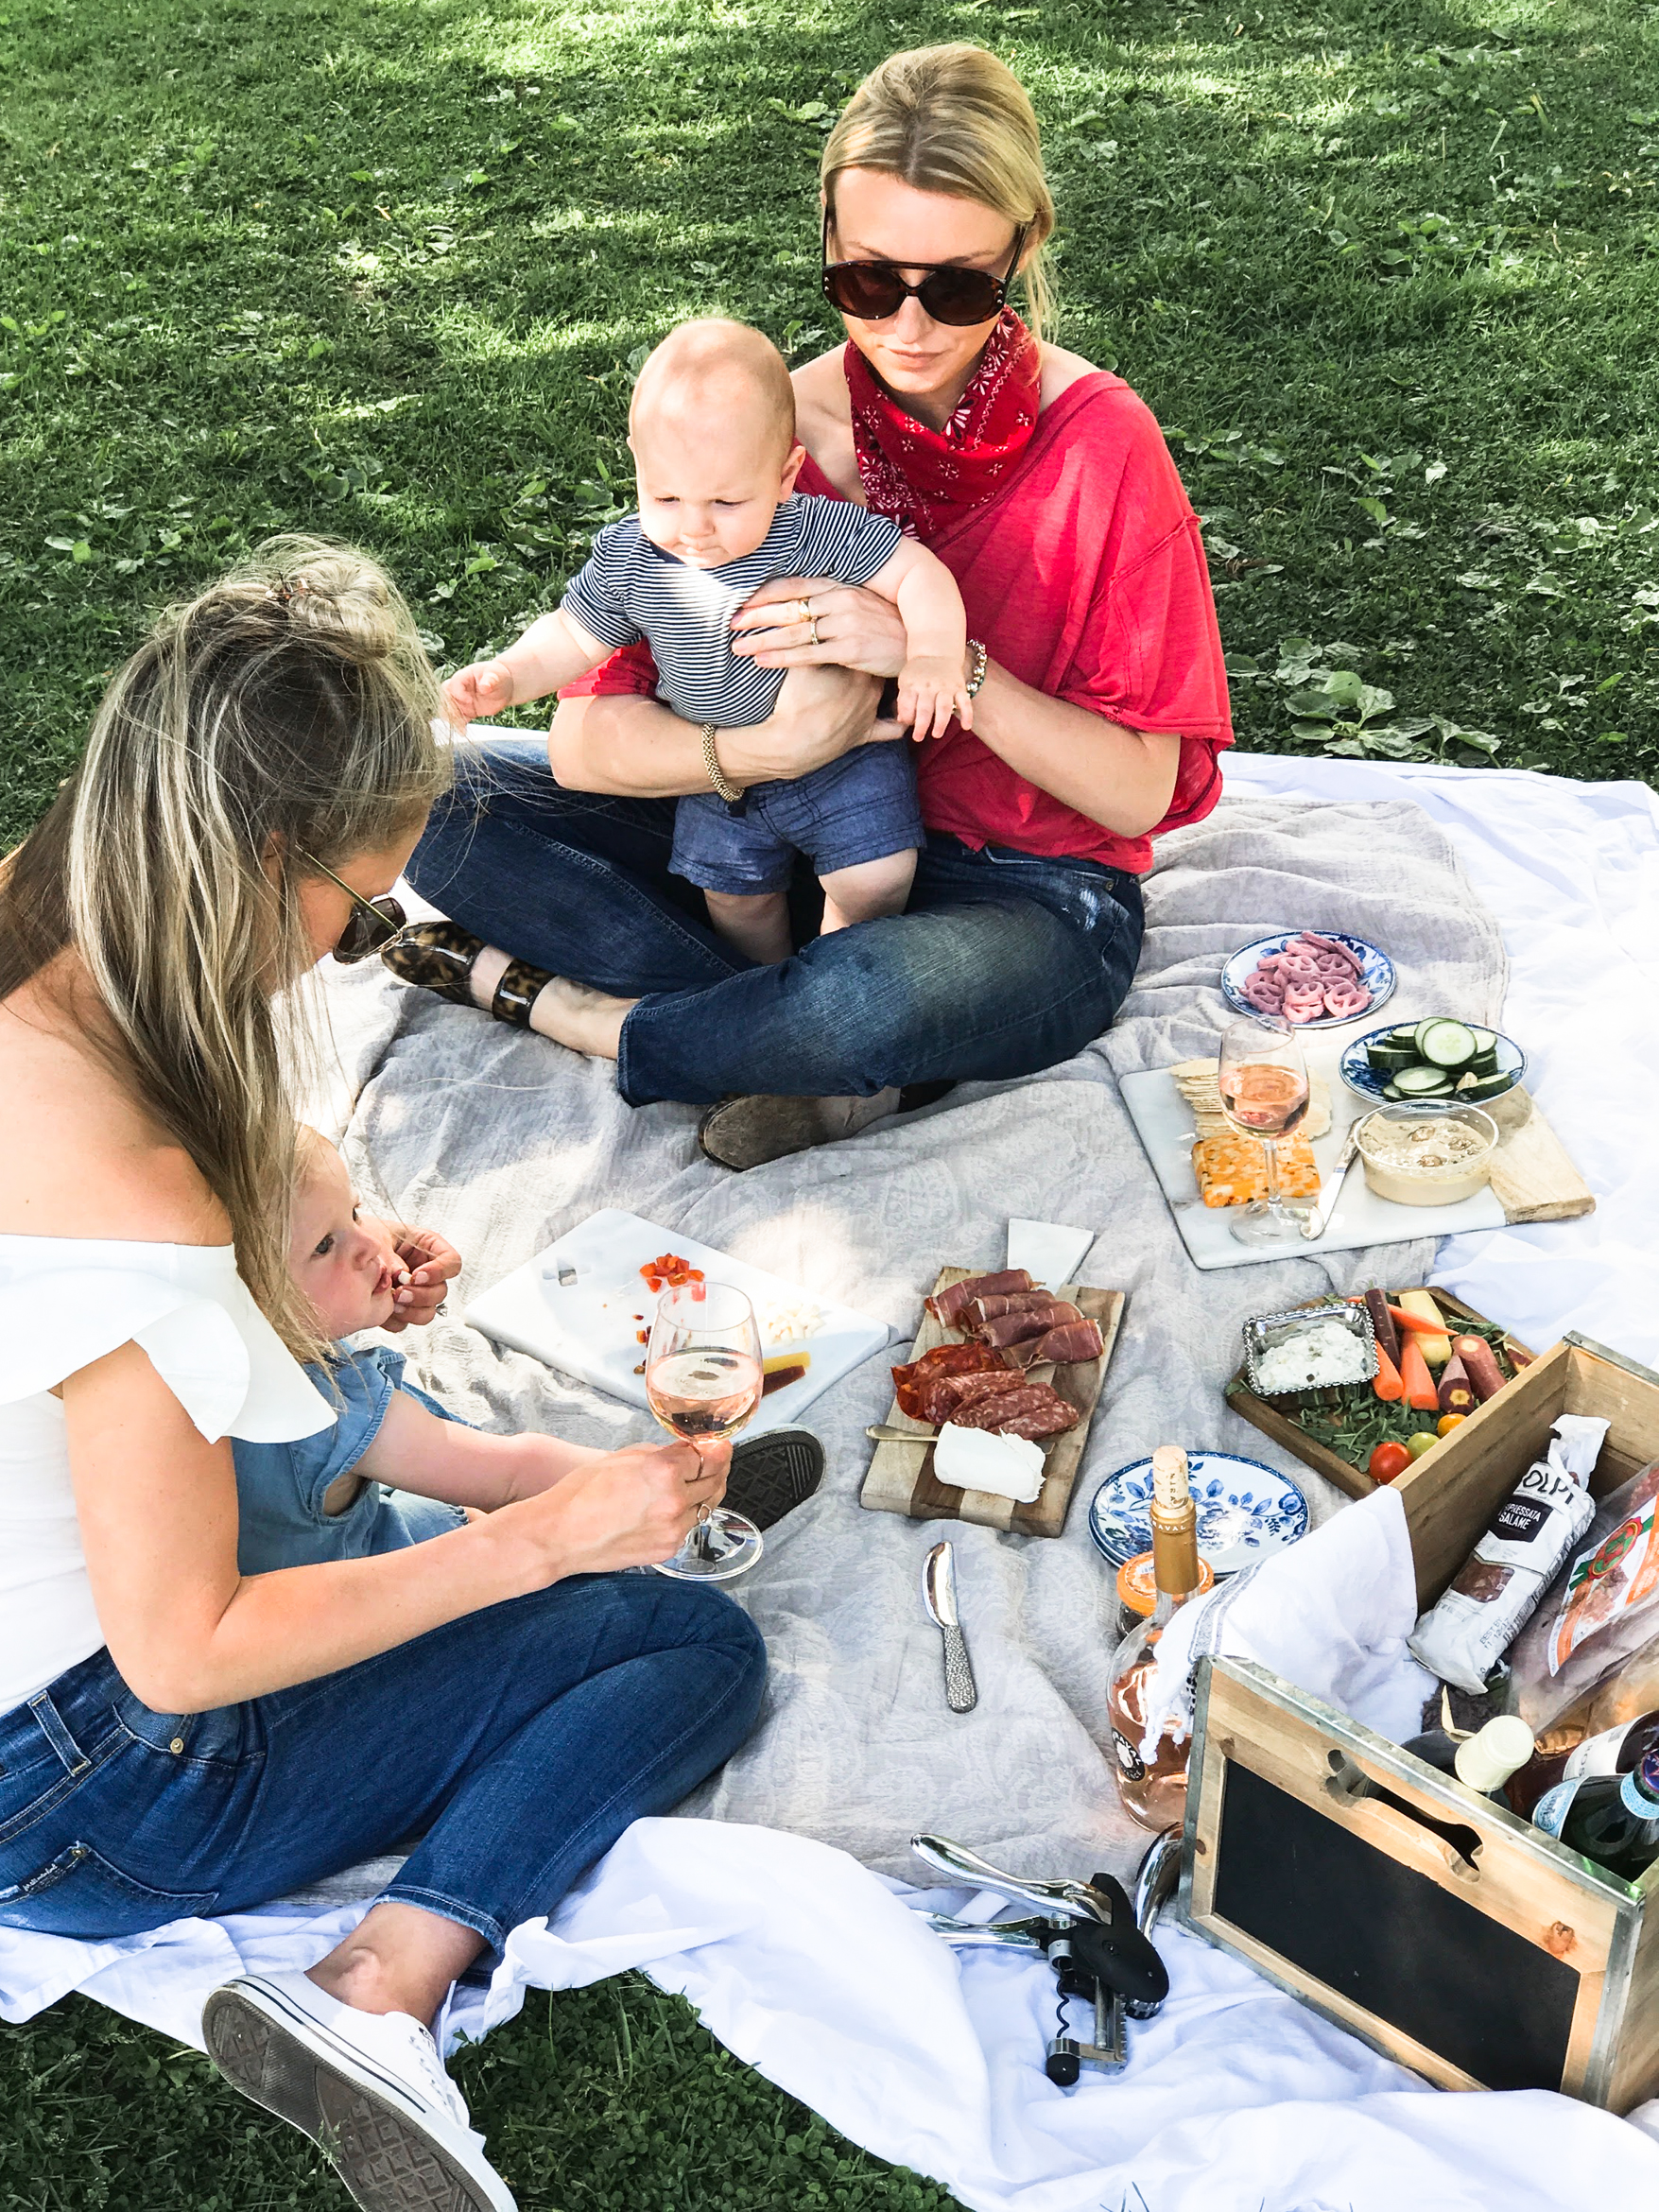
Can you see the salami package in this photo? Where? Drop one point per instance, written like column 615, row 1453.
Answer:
column 1462, row 1637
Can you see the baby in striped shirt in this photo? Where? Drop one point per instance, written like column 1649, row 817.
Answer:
column 712, row 429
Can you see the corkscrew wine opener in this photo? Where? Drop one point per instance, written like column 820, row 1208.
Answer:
column 1095, row 1939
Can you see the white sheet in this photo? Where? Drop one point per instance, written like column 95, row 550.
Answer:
column 1236, row 2099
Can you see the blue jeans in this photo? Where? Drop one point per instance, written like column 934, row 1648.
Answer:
column 1005, row 963
column 518, row 1742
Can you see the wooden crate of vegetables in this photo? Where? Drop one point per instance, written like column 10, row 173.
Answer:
column 1439, row 1363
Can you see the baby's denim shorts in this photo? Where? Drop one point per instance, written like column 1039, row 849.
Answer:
column 860, row 808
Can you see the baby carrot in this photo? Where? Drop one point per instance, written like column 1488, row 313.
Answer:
column 1388, row 1385
column 1419, row 1384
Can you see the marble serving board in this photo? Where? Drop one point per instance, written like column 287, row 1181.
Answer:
column 589, row 1325
column 1163, row 1121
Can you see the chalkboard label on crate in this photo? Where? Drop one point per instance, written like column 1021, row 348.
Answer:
column 1387, row 1938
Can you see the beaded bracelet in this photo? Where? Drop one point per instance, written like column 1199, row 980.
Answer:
column 981, row 661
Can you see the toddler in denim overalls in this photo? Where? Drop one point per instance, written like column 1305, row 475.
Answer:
column 303, row 1502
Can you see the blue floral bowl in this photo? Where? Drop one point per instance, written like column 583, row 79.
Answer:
column 1378, row 974
column 1245, row 1511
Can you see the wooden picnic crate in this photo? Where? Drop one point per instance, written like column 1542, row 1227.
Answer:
column 1427, row 1920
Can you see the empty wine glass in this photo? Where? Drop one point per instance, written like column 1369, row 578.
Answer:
column 1263, row 1081
column 704, row 1379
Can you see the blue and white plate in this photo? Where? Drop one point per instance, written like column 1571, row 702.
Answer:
column 1365, row 1082
column 1245, row 1511
column 1378, row 974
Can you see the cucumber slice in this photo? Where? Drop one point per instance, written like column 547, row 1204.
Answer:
column 1404, row 1034
column 1424, row 1082
column 1485, row 1040
column 1390, row 1055
column 1447, row 1045
column 1392, row 1091
column 1486, row 1087
column 1484, row 1063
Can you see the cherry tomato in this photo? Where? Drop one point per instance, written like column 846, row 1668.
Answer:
column 1387, row 1461
column 1425, row 1441
column 1448, row 1422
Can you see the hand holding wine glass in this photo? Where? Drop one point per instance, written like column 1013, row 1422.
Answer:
column 1262, row 1080
column 704, row 1381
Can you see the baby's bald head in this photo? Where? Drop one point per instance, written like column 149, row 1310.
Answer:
column 715, row 371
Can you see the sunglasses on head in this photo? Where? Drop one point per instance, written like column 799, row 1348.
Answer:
column 871, row 292
column 373, row 925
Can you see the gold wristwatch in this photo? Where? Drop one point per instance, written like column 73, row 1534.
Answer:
column 710, row 761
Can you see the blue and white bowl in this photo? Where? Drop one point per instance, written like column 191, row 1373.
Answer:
column 1365, row 1082
column 1378, row 974
column 1245, row 1511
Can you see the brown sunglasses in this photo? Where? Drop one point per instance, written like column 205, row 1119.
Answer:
column 871, row 292
column 373, row 923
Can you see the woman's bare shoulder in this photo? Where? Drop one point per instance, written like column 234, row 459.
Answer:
column 1061, row 370
column 823, row 421
column 83, row 1159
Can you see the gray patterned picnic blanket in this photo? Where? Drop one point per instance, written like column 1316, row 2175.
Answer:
column 504, row 1142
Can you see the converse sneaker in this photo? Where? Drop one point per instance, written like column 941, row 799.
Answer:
column 369, row 2088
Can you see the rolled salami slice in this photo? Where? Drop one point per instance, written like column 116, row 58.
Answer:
column 950, row 1302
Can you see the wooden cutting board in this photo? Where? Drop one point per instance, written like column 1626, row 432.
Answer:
column 901, row 1475
column 1533, row 1178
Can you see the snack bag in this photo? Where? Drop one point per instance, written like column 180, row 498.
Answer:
column 1595, row 1620
column 1620, row 1576
column 1474, row 1624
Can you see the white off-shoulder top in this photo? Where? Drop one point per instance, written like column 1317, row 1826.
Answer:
column 65, row 1301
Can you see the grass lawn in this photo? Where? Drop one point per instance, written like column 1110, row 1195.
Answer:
column 1387, row 273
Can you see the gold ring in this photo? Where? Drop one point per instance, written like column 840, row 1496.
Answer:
column 704, row 1515
column 812, row 625
column 804, row 609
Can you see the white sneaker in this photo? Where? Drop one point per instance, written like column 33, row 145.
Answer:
column 369, row 2088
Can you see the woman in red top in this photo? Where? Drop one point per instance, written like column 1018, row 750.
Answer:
column 1045, row 486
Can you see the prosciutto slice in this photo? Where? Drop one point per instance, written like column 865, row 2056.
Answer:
column 950, row 1302
column 1079, row 1339
column 992, row 1308
column 1014, row 1328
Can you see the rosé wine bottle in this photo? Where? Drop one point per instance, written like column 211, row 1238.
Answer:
column 1155, row 1792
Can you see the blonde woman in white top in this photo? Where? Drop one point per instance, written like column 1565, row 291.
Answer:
column 174, row 1738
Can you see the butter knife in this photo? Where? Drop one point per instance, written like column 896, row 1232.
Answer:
column 1317, row 1219
column 939, row 1596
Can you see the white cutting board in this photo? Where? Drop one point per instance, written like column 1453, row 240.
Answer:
column 588, row 1328
column 1163, row 1121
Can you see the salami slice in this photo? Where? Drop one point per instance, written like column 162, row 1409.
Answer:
column 1034, row 1411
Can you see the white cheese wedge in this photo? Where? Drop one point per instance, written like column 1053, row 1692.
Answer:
column 972, row 1459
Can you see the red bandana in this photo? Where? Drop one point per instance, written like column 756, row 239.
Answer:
column 924, row 477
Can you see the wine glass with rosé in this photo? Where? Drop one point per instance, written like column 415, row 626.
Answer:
column 1263, row 1081
column 704, row 1379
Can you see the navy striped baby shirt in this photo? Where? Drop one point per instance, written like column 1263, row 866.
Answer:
column 630, row 589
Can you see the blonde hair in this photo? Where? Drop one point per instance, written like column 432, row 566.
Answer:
column 712, row 364
column 954, row 120
column 280, row 718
